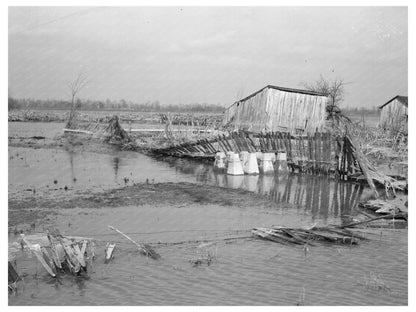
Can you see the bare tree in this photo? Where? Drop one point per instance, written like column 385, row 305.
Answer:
column 334, row 90
column 74, row 88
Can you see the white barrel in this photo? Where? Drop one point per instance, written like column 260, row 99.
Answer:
column 251, row 166
column 266, row 163
column 281, row 163
column 234, row 165
column 219, row 162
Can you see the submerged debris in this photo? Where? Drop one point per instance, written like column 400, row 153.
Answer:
column 207, row 260
column 380, row 213
column 308, row 236
column 13, row 278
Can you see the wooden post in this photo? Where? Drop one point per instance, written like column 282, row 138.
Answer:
column 363, row 165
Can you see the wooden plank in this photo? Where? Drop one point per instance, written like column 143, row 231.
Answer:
column 362, row 161
column 220, row 144
column 209, row 146
column 303, row 148
column 335, row 203
column 270, row 140
column 238, row 141
column 281, row 142
column 299, row 143
column 245, row 141
column 289, row 145
column 226, row 144
column 276, row 140
column 252, row 143
column 311, row 153
column 262, row 147
column 316, row 156
column 236, row 148
column 203, row 144
column 325, row 158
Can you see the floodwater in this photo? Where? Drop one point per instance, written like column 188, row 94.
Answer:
column 245, row 271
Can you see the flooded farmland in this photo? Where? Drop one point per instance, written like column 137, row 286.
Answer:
column 185, row 209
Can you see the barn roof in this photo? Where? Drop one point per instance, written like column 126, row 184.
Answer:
column 282, row 89
column 400, row 98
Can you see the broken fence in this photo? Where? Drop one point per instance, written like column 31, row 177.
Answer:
column 321, row 153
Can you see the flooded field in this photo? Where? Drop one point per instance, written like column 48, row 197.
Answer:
column 186, row 210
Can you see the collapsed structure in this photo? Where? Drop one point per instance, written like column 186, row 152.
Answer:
column 274, row 108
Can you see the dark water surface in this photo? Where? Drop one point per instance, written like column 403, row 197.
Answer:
column 246, row 271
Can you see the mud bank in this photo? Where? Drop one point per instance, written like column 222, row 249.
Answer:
column 34, row 209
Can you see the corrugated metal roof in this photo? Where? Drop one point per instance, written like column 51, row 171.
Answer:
column 400, row 98
column 281, row 89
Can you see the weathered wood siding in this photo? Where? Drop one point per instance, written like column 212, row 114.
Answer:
column 393, row 115
column 277, row 110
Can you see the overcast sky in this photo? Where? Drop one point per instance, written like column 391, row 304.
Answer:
column 211, row 54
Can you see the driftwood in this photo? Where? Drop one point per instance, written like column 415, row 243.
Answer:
column 400, row 215
column 143, row 248
column 380, row 206
column 306, row 236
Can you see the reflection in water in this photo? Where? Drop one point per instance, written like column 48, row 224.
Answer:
column 116, row 165
column 71, row 162
column 319, row 195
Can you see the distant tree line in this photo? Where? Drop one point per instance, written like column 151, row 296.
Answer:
column 360, row 110
column 121, row 105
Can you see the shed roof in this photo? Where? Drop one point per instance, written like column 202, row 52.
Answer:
column 281, row 89
column 400, row 98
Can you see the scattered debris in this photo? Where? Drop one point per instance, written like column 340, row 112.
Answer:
column 143, row 248
column 58, row 253
column 308, row 236
column 380, row 214
column 375, row 282
column 381, row 207
column 41, row 255
column 109, row 249
column 207, row 260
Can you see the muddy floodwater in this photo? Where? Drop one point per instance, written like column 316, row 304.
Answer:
column 186, row 210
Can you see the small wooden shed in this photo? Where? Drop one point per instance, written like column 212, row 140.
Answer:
column 276, row 108
column 394, row 113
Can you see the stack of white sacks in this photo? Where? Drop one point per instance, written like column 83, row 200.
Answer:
column 251, row 163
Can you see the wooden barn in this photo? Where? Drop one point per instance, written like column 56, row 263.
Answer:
column 394, row 114
column 279, row 109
